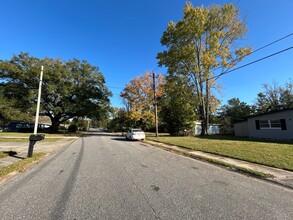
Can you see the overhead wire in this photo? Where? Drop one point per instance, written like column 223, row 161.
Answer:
column 271, row 43
column 267, row 45
column 289, row 48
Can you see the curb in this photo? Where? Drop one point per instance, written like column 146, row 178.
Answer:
column 250, row 172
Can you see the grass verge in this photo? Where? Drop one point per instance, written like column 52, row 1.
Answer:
column 26, row 135
column 270, row 153
column 27, row 139
column 3, row 154
column 20, row 165
column 7, row 153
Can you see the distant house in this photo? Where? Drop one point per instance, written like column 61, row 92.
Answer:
column 213, row 128
column 273, row 125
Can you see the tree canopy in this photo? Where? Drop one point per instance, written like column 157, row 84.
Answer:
column 201, row 47
column 70, row 88
column 138, row 97
column 275, row 97
column 177, row 105
column 234, row 111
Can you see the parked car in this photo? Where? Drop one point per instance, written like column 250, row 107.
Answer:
column 135, row 134
column 25, row 126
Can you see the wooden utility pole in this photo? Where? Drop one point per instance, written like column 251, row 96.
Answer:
column 155, row 103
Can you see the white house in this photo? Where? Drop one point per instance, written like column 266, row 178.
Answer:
column 213, row 128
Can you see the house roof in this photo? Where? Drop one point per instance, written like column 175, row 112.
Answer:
column 267, row 113
column 272, row 112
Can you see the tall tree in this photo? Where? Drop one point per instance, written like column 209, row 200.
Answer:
column 70, row 88
column 201, row 47
column 275, row 97
column 232, row 112
column 177, row 105
column 138, row 97
column 119, row 120
column 8, row 112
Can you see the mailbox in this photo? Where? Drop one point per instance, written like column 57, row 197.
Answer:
column 37, row 137
column 33, row 139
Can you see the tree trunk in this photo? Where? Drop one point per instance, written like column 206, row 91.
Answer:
column 204, row 111
column 207, row 105
column 55, row 125
column 202, row 119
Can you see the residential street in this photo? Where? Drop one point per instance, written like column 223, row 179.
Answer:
column 101, row 176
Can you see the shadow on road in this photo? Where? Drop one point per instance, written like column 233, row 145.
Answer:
column 119, row 139
column 60, row 208
column 89, row 134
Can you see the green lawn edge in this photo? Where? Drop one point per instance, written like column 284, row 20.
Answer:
column 269, row 153
column 20, row 165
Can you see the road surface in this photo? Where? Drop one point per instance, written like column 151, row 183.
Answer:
column 106, row 177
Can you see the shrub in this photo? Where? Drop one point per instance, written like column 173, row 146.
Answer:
column 72, row 128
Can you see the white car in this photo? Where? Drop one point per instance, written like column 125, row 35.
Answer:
column 135, row 134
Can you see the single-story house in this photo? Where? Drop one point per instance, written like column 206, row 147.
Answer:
column 213, row 128
column 273, row 125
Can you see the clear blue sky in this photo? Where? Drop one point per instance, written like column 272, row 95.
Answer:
column 123, row 37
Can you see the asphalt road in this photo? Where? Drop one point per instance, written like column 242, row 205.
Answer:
column 105, row 177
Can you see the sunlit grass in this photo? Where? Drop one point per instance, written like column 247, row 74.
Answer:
column 18, row 134
column 27, row 139
column 20, row 165
column 271, row 153
column 24, row 137
column 3, row 154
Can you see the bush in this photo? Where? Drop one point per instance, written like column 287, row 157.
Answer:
column 72, row 128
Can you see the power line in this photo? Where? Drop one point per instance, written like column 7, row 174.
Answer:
column 272, row 43
column 289, row 48
column 267, row 45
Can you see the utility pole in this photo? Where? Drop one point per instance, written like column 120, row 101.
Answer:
column 36, row 137
column 39, row 101
column 155, row 103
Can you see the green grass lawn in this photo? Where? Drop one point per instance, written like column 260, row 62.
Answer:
column 271, row 153
column 27, row 139
column 3, row 154
column 18, row 134
column 24, row 137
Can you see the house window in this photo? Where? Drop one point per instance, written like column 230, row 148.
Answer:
column 270, row 124
column 264, row 124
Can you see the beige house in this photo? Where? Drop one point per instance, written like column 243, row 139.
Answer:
column 272, row 125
